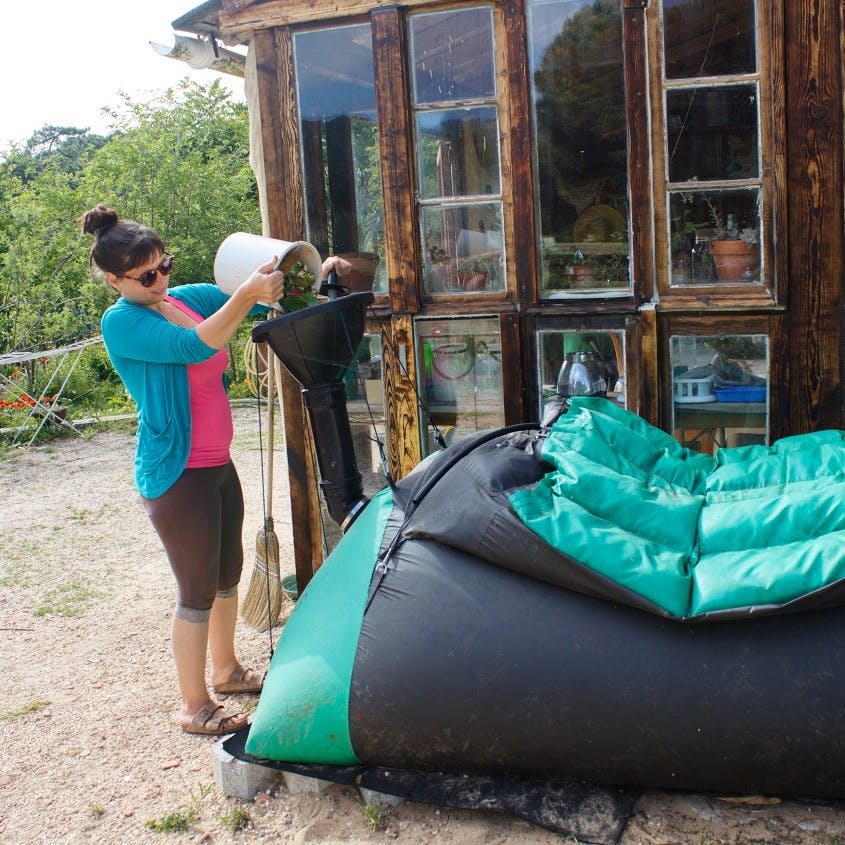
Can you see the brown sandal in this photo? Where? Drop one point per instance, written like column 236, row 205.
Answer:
column 241, row 680
column 207, row 723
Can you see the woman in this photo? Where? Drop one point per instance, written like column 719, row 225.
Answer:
column 169, row 350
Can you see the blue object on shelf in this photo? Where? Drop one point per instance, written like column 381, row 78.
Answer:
column 741, row 394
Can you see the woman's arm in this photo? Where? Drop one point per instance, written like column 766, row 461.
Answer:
column 264, row 285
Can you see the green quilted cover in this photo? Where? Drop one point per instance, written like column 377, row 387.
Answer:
column 752, row 526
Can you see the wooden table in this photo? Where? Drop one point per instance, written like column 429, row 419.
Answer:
column 713, row 418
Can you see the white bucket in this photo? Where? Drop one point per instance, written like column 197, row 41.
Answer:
column 242, row 253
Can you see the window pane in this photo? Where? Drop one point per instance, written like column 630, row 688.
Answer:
column 712, row 133
column 463, row 248
column 708, row 37
column 460, row 376
column 581, row 144
column 341, row 166
column 452, row 55
column 720, row 390
column 557, row 348
column 715, row 236
column 459, row 152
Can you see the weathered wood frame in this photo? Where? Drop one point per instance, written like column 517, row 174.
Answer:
column 800, row 310
column 770, row 83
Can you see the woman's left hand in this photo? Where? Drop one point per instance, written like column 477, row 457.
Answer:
column 334, row 262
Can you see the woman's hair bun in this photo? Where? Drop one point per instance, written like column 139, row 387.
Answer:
column 99, row 220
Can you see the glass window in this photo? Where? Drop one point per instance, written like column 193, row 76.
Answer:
column 460, row 375
column 713, row 155
column 458, row 151
column 464, row 247
column 576, row 362
column 453, row 56
column 578, row 92
column 711, row 38
column 340, row 148
column 713, row 133
column 457, row 147
column 364, row 388
column 720, row 390
column 715, row 236
column 363, row 381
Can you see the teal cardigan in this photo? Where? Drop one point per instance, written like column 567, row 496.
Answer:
column 151, row 354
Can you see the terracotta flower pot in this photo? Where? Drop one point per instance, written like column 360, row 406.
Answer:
column 473, row 280
column 733, row 259
column 361, row 276
column 583, row 275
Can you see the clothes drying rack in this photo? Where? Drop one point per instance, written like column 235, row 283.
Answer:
column 46, row 410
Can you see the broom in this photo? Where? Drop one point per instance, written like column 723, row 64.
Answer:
column 262, row 603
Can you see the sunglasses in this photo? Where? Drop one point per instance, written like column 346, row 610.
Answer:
column 148, row 279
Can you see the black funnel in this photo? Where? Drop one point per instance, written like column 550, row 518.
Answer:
column 317, row 345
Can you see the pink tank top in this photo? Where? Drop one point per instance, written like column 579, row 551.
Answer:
column 211, row 417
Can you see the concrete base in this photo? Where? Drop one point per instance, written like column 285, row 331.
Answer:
column 300, row 783
column 370, row 796
column 236, row 778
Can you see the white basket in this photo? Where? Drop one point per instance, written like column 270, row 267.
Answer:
column 689, row 390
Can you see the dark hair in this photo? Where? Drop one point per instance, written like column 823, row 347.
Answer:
column 119, row 244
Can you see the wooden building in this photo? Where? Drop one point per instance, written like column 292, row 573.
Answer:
column 543, row 179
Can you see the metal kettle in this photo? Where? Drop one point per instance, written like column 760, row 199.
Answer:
column 581, row 375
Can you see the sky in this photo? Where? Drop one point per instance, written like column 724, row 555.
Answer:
column 63, row 61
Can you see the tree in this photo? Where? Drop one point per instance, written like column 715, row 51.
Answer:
column 178, row 162
column 183, row 168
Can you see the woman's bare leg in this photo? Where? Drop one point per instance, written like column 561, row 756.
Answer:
column 190, row 648
column 221, row 637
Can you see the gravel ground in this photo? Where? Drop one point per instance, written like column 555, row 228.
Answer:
column 90, row 753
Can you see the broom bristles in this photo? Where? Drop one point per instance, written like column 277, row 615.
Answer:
column 262, row 603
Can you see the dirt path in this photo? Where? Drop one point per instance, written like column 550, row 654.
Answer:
column 89, row 753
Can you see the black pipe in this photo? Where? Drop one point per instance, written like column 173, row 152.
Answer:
column 317, row 345
column 340, row 479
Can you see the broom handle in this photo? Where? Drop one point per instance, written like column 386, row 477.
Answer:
column 271, row 424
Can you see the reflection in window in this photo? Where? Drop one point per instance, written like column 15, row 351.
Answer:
column 712, row 133
column 452, row 56
column 460, row 375
column 458, row 151
column 576, row 362
column 715, row 236
column 458, row 154
column 364, row 390
column 474, row 260
column 713, row 153
column 340, row 148
column 720, row 390
column 364, row 387
column 576, row 67
column 708, row 37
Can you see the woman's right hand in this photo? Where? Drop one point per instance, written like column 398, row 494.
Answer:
column 266, row 284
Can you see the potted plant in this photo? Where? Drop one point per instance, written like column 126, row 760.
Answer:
column 734, row 253
column 580, row 272
column 473, row 274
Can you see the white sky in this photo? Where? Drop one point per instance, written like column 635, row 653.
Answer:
column 64, row 60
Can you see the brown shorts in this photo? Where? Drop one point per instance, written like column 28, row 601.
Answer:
column 200, row 522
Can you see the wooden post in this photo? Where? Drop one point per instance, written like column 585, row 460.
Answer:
column 814, row 187
column 285, row 192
